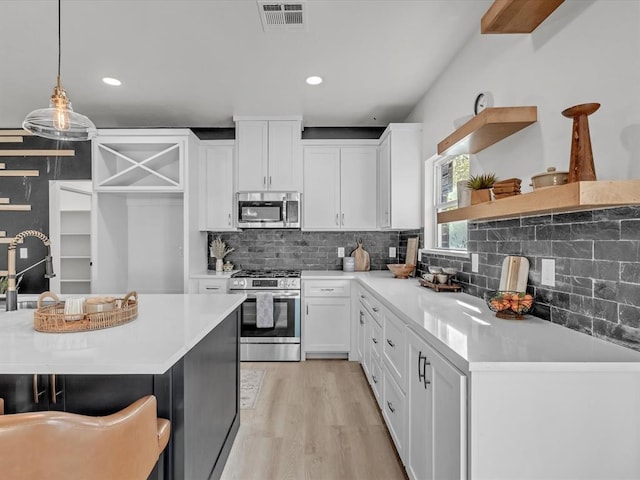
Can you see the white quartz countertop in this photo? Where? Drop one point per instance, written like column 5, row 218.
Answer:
column 166, row 328
column 463, row 329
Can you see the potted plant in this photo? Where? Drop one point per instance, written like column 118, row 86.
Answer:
column 219, row 250
column 480, row 186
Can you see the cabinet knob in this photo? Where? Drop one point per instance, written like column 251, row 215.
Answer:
column 391, row 344
column 374, row 339
column 373, row 377
column 375, row 309
column 390, row 405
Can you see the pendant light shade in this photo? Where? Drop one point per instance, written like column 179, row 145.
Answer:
column 59, row 121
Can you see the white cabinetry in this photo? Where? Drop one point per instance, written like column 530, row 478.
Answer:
column 216, row 205
column 436, row 415
column 141, row 211
column 138, row 160
column 339, row 188
column 327, row 316
column 399, row 177
column 213, row 285
column 268, row 155
column 70, row 234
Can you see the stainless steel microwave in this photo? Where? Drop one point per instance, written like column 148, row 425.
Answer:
column 269, row 210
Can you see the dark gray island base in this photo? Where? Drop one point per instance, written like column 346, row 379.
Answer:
column 199, row 394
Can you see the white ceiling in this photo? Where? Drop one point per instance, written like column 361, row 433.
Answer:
column 196, row 63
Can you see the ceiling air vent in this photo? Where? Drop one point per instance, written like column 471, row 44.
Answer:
column 290, row 16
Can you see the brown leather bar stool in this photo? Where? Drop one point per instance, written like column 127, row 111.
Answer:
column 67, row 446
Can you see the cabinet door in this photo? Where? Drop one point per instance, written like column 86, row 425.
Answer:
column 284, row 156
column 321, row 205
column 384, row 183
column 419, row 451
column 449, row 418
column 252, row 140
column 358, row 188
column 217, row 187
column 361, row 332
column 327, row 324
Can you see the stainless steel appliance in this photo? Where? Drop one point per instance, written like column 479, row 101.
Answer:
column 269, row 210
column 282, row 341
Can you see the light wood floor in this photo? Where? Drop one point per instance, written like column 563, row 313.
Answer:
column 313, row 420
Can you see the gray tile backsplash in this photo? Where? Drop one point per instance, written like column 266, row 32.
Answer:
column 280, row 249
column 597, row 259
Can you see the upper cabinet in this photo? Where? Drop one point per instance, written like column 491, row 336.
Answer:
column 139, row 160
column 399, row 177
column 339, row 188
column 488, row 127
column 269, row 155
column 517, row 16
column 216, row 205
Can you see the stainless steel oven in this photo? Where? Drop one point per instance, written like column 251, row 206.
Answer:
column 281, row 341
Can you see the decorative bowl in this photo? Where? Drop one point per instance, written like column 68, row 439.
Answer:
column 442, row 278
column 509, row 305
column 435, row 270
column 450, row 271
column 429, row 277
column 401, row 270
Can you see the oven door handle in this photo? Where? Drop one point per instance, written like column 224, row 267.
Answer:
column 276, row 295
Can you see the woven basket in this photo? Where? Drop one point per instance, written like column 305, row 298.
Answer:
column 52, row 319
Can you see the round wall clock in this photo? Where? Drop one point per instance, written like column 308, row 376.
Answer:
column 483, row 100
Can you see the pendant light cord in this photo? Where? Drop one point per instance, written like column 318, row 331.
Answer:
column 59, row 40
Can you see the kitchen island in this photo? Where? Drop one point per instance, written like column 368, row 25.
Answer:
column 184, row 349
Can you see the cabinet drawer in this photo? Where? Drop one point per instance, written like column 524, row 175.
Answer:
column 393, row 410
column 376, row 380
column 213, row 286
column 394, row 347
column 321, row 288
column 372, row 305
column 376, row 340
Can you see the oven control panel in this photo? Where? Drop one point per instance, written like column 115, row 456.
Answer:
column 265, row 284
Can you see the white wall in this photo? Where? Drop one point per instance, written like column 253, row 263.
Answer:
column 586, row 51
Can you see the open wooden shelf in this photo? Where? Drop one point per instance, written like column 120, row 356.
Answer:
column 561, row 198
column 486, row 128
column 516, row 16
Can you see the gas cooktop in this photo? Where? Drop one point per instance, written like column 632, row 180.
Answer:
column 267, row 274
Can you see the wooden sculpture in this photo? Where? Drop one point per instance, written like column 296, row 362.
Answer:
column 581, row 167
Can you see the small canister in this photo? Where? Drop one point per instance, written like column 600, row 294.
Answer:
column 349, row 264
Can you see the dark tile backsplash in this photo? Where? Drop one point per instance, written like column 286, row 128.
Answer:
column 281, row 249
column 597, row 258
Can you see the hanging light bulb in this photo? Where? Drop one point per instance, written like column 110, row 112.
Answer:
column 59, row 121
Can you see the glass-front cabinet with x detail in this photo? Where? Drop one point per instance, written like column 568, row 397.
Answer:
column 145, row 161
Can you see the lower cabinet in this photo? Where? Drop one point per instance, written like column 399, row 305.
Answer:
column 327, row 316
column 394, row 410
column 199, row 395
column 211, row 285
column 436, row 415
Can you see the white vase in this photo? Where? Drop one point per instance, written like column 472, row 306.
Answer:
column 219, row 264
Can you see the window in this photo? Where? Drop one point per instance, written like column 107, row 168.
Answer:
column 444, row 173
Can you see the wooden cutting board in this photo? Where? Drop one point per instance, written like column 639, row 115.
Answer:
column 362, row 263
column 412, row 253
column 515, row 273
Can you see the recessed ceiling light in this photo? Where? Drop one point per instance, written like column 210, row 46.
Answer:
column 112, row 81
column 314, row 80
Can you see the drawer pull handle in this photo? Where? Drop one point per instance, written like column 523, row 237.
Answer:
column 391, row 344
column 337, row 222
column 375, row 309
column 375, row 380
column 362, row 296
column 212, row 288
column 374, row 339
column 420, row 368
column 390, row 405
column 327, row 289
column 35, row 389
column 426, row 383
column 229, row 220
column 361, row 315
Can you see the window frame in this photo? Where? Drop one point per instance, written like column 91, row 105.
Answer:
column 432, row 203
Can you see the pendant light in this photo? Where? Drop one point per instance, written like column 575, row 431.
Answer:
column 59, row 121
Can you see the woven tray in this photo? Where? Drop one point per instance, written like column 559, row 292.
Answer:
column 52, row 319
